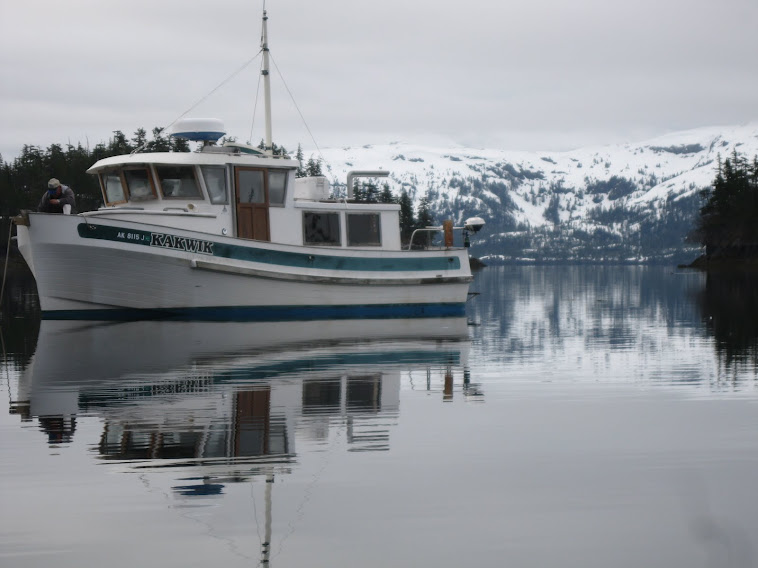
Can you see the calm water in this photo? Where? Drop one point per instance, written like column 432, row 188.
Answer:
column 579, row 416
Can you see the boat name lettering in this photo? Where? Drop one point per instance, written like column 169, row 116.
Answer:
column 181, row 243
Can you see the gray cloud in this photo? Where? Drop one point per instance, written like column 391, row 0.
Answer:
column 521, row 75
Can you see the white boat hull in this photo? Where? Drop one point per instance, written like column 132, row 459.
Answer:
column 111, row 268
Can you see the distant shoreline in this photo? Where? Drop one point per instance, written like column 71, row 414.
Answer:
column 703, row 262
column 585, row 262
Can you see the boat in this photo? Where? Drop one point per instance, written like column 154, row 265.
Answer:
column 229, row 231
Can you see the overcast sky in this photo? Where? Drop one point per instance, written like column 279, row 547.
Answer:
column 518, row 74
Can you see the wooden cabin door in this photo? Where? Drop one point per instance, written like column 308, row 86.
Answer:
column 251, row 193
column 252, row 423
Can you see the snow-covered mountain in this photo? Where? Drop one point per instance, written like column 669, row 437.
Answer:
column 634, row 202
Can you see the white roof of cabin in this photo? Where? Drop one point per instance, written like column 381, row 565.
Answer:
column 191, row 159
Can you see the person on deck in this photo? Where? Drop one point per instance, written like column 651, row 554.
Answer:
column 58, row 198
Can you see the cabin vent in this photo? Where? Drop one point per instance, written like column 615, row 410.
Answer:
column 312, row 188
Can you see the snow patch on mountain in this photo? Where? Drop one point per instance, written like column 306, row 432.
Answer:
column 631, row 202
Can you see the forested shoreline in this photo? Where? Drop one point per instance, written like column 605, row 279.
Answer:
column 24, row 180
column 728, row 222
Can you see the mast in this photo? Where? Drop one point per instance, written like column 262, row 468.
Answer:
column 266, row 544
column 266, row 84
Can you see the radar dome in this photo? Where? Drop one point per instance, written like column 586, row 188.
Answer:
column 197, row 129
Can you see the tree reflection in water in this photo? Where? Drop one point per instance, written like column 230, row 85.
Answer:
column 729, row 304
column 19, row 312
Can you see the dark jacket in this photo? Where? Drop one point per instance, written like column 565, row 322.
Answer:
column 66, row 197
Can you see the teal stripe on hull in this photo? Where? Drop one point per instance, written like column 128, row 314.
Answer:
column 397, row 357
column 252, row 253
column 264, row 313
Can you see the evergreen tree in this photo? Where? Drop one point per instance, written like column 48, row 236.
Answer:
column 370, row 193
column 313, row 167
column 727, row 224
column 119, row 144
column 552, row 212
column 358, row 191
column 159, row 143
column 300, row 172
column 424, row 219
column 386, row 195
column 179, row 144
column 140, row 138
column 275, row 150
column 407, row 220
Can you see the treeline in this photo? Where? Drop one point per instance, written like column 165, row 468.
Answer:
column 410, row 220
column 369, row 192
column 727, row 225
column 24, row 180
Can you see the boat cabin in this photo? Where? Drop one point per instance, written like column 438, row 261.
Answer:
column 235, row 190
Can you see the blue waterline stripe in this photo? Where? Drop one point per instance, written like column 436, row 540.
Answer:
column 263, row 255
column 264, row 313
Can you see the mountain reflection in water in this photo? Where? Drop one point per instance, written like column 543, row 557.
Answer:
column 642, row 323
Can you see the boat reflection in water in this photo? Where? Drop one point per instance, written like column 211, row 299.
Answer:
column 202, row 405
column 229, row 397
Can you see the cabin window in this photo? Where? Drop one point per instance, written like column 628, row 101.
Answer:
column 321, row 228
column 215, row 183
column 277, row 183
column 321, row 394
column 364, row 393
column 251, row 188
column 114, row 191
column 178, row 182
column 138, row 184
column 363, row 229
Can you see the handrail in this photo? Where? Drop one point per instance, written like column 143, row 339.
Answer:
column 440, row 228
column 424, row 229
column 148, row 212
